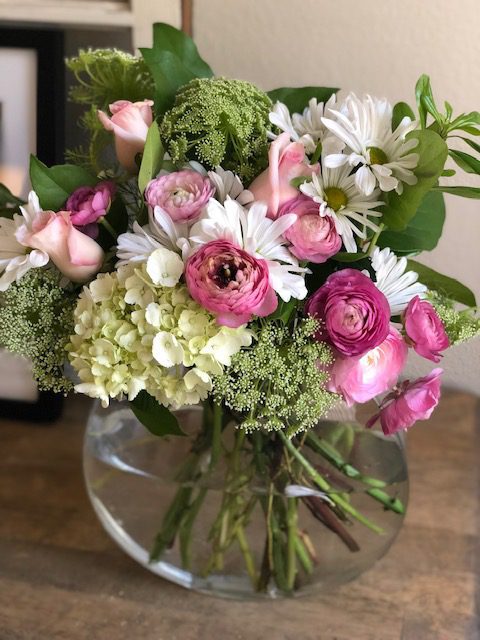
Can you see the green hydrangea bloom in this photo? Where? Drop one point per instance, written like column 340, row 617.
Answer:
column 277, row 383
column 218, row 121
column 36, row 318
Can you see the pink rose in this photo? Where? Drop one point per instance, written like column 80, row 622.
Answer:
column 413, row 401
column 129, row 122
column 76, row 255
column 182, row 194
column 88, row 204
column 354, row 314
column 361, row 379
column 230, row 283
column 425, row 329
column 313, row 238
column 286, row 160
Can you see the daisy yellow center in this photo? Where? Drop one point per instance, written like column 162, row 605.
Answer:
column 335, row 197
column 377, row 156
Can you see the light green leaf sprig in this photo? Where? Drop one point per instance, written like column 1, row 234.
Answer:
column 279, row 383
column 36, row 318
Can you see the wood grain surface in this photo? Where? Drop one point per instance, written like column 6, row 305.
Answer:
column 62, row 578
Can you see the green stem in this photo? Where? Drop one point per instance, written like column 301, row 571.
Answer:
column 185, row 531
column 217, row 415
column 108, row 227
column 291, row 542
column 247, row 554
column 324, row 486
column 303, row 555
column 391, row 504
column 374, row 240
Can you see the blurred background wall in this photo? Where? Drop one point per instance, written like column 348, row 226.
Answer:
column 374, row 46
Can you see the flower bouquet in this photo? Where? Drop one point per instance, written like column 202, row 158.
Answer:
column 238, row 267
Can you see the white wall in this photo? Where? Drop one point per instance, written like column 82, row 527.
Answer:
column 376, row 46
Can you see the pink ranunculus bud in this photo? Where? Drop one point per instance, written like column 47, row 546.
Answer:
column 313, row 237
column 425, row 329
column 411, row 402
column 129, row 122
column 354, row 315
column 182, row 194
column 88, row 204
column 361, row 379
column 76, row 255
column 230, row 283
column 286, row 160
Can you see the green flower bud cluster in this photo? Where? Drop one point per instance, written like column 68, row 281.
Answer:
column 218, row 121
column 279, row 383
column 36, row 318
column 460, row 325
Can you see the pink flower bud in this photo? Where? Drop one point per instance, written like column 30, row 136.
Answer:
column 182, row 194
column 425, row 329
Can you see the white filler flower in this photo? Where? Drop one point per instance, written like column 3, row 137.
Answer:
column 382, row 155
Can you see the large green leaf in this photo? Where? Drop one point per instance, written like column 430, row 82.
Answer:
column 53, row 185
column 173, row 61
column 445, row 285
column 400, row 209
column 7, row 198
column 296, row 98
column 152, row 158
column 154, row 416
column 422, row 232
column 463, row 192
column 465, row 161
column 400, row 111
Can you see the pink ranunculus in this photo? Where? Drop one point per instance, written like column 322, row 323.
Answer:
column 129, row 122
column 230, row 283
column 361, row 379
column 413, row 401
column 354, row 315
column 88, row 204
column 425, row 329
column 76, row 255
column 313, row 238
column 182, row 194
column 286, row 160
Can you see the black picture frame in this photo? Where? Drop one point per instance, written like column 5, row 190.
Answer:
column 50, row 143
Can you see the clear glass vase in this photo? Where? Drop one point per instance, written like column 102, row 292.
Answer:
column 226, row 526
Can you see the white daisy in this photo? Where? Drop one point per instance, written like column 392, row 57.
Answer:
column 137, row 245
column 339, row 197
column 365, row 126
column 306, row 127
column 15, row 258
column 398, row 286
column 228, row 184
column 258, row 235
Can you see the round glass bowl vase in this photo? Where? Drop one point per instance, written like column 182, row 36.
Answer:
column 228, row 528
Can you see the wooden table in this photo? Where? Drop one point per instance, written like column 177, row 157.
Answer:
column 61, row 577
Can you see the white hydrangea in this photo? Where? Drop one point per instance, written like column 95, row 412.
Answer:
column 133, row 333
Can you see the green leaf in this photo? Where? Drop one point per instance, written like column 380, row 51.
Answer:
column 53, row 185
column 445, row 285
column 400, row 209
column 448, row 173
column 465, row 161
column 463, row 192
column 152, row 158
column 400, row 111
column 154, row 416
column 296, row 98
column 425, row 101
column 343, row 256
column 173, row 61
column 7, row 197
column 422, row 232
column 284, row 310
column 474, row 145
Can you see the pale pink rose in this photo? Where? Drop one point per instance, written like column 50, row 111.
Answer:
column 286, row 160
column 76, row 255
column 88, row 204
column 182, row 194
column 230, row 283
column 411, row 402
column 313, row 238
column 425, row 329
column 361, row 379
column 129, row 122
